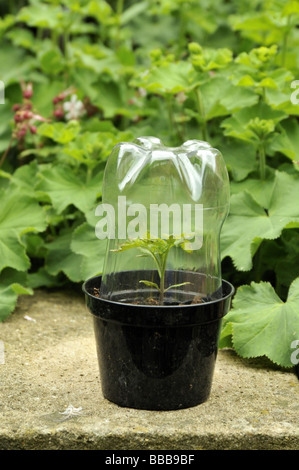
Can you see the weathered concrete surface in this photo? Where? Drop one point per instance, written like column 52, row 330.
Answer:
column 50, row 363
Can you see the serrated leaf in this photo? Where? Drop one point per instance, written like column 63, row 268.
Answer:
column 85, row 243
column 8, row 299
column 51, row 61
column 240, row 158
column 248, row 223
column 170, row 78
column 237, row 125
column 12, row 284
column 40, row 15
column 262, row 324
column 134, row 10
column 15, row 64
column 60, row 132
column 41, row 278
column 268, row 82
column 23, row 177
column 61, row 258
column 220, row 97
column 65, row 188
column 19, row 215
column 209, row 59
column 225, row 339
column 287, row 142
column 260, row 190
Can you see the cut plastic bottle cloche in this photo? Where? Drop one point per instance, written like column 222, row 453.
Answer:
column 162, row 212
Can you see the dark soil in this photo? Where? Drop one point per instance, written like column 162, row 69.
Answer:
column 152, row 301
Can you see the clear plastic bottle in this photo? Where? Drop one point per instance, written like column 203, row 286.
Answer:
column 162, row 211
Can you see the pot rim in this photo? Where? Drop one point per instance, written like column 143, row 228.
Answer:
column 157, row 315
column 109, row 301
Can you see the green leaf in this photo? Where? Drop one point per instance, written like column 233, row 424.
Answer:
column 102, row 11
column 40, row 15
column 225, row 340
column 248, row 223
column 41, row 278
column 60, row 132
column 52, row 61
column 240, row 158
column 61, row 258
column 85, row 243
column 22, row 37
column 238, row 124
column 12, row 284
column 23, row 177
column 8, row 298
column 287, row 142
column 220, row 97
column 260, row 190
column 262, row 324
column 19, row 215
column 151, row 284
column 6, row 23
column 134, row 10
column 260, row 27
column 15, row 64
column 176, row 285
column 108, row 98
column 209, row 59
column 287, row 262
column 170, row 78
column 290, row 8
column 65, row 188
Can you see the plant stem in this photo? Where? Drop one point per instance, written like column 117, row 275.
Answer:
column 119, row 7
column 119, row 11
column 6, row 152
column 262, row 160
column 170, row 116
column 285, row 41
column 88, row 174
column 201, row 111
column 182, row 30
column 162, row 287
column 162, row 276
column 12, row 7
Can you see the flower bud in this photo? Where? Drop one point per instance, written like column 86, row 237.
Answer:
column 28, row 91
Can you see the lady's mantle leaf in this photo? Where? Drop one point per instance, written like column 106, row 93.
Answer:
column 65, row 188
column 169, row 78
column 61, row 258
column 12, row 284
column 249, row 223
column 9, row 296
column 86, row 244
column 262, row 324
column 287, row 142
column 238, row 125
column 19, row 215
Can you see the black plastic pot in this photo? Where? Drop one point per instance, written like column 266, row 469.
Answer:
column 156, row 357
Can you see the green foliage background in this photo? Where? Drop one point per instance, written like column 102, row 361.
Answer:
column 220, row 71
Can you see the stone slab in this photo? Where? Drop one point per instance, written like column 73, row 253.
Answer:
column 50, row 366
